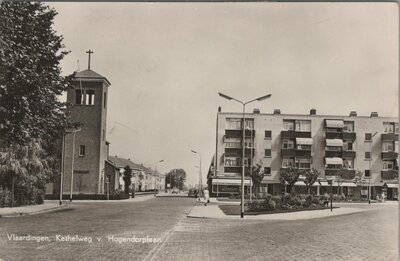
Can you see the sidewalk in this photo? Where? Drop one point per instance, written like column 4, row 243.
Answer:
column 30, row 210
column 138, row 198
column 213, row 211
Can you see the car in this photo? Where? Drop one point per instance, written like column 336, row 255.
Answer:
column 174, row 191
column 192, row 193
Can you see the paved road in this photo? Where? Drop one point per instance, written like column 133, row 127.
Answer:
column 369, row 235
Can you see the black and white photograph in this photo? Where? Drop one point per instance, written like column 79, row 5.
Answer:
column 199, row 131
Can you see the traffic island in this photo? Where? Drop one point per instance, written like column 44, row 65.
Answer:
column 31, row 210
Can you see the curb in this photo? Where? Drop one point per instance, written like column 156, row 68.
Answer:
column 19, row 214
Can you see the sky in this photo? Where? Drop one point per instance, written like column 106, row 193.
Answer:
column 167, row 62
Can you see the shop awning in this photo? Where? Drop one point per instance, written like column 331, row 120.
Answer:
column 334, row 123
column 334, row 161
column 304, row 141
column 346, row 184
column 334, row 143
column 269, row 181
column 230, row 182
column 393, row 185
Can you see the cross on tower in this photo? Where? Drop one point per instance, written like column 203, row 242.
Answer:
column 89, row 52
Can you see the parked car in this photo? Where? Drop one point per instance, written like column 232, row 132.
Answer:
column 192, row 193
column 174, row 191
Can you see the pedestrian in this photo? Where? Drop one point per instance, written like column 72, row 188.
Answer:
column 206, row 197
column 383, row 197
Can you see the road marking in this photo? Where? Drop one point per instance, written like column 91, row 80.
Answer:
column 159, row 245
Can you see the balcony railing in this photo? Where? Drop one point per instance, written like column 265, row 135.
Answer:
column 389, row 174
column 349, row 154
column 303, row 153
column 390, row 137
column 333, row 135
column 349, row 136
column 238, row 133
column 390, row 155
column 249, row 151
column 233, row 151
column 288, row 153
column 290, row 134
column 333, row 153
column 232, row 169
column 346, row 174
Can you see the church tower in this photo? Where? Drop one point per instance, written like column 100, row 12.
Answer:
column 86, row 148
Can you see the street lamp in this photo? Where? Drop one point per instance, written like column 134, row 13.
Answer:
column 200, row 181
column 370, row 173
column 155, row 176
column 243, row 139
column 73, row 131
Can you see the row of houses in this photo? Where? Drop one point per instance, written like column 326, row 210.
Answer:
column 336, row 145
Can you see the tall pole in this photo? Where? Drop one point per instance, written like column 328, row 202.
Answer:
column 200, row 179
column 243, row 137
column 251, row 161
column 216, row 154
column 62, row 167
column 72, row 166
column 243, row 150
column 370, row 172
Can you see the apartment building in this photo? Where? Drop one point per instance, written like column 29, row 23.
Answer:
column 328, row 143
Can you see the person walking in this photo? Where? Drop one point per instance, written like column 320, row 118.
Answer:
column 206, row 197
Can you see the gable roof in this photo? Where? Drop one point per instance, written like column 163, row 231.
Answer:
column 122, row 163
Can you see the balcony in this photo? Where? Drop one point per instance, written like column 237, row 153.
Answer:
column 249, row 151
column 233, row 151
column 333, row 153
column 290, row 134
column 349, row 154
column 390, row 137
column 347, row 174
column 303, row 153
column 288, row 153
column 238, row 133
column 351, row 136
column 390, row 155
column 333, row 135
column 232, row 169
column 389, row 174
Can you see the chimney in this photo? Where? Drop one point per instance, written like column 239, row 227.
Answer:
column 219, row 109
column 256, row 111
column 313, row 112
column 277, row 111
column 374, row 114
column 353, row 114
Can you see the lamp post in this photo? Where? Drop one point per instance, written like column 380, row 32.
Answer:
column 251, row 161
column 62, row 168
column 200, row 182
column 73, row 161
column 370, row 172
column 155, row 176
column 243, row 140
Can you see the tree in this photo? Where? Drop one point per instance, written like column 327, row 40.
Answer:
column 359, row 178
column 289, row 176
column 30, row 74
column 311, row 176
column 257, row 176
column 127, row 178
column 177, row 177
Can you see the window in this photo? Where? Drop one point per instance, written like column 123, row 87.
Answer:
column 368, row 155
column 267, row 171
column 249, row 143
column 82, row 150
column 348, row 126
column 333, row 148
column 387, row 147
column 387, row 165
column 348, row 163
column 348, row 146
column 105, row 100
column 287, row 163
column 333, row 166
column 368, row 137
column 303, row 163
column 249, row 124
column 367, row 172
column 233, row 124
column 287, row 144
column 267, row 153
column 288, row 125
column 268, row 134
column 89, row 97
column 78, row 97
column 303, row 147
column 232, row 162
column 303, row 125
column 389, row 127
column 233, row 143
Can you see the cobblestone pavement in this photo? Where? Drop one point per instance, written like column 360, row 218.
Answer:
column 368, row 235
